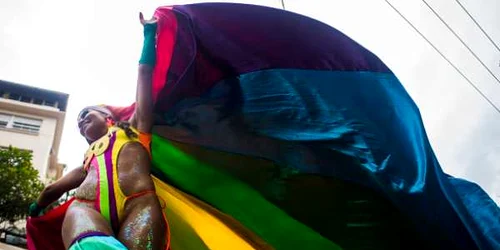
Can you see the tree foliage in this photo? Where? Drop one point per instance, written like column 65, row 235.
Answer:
column 19, row 184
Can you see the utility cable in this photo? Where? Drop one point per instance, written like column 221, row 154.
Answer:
column 445, row 58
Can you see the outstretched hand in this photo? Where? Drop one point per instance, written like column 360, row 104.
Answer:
column 144, row 21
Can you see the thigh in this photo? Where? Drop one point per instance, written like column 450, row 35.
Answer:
column 143, row 226
column 80, row 219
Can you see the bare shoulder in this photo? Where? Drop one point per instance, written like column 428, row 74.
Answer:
column 133, row 148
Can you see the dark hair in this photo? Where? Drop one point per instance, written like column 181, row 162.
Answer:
column 126, row 127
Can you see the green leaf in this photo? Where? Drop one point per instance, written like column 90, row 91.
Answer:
column 19, row 183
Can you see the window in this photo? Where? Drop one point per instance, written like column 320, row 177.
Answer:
column 20, row 123
column 28, row 124
column 38, row 101
column 25, row 99
column 5, row 120
column 14, row 96
column 49, row 103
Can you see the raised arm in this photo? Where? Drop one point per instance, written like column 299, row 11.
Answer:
column 143, row 115
column 55, row 190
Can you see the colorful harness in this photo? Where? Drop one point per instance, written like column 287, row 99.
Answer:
column 103, row 155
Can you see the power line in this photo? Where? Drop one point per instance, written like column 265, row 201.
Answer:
column 445, row 58
column 478, row 25
column 462, row 41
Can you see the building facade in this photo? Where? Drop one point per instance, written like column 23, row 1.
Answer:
column 32, row 119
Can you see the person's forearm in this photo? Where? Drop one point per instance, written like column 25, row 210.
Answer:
column 55, row 190
column 49, row 195
column 146, row 70
column 144, row 110
column 143, row 117
column 145, row 88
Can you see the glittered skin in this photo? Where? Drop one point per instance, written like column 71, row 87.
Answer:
column 83, row 226
column 142, row 225
column 82, row 218
column 143, row 228
column 87, row 190
column 134, row 231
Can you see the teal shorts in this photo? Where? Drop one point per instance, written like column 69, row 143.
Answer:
column 98, row 242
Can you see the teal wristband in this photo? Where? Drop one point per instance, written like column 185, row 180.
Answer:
column 34, row 210
column 148, row 55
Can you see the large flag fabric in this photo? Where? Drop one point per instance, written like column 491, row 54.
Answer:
column 276, row 131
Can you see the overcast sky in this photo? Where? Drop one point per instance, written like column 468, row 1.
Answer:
column 78, row 47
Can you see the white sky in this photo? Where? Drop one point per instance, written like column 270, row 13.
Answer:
column 77, row 47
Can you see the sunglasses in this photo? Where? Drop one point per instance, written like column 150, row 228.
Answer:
column 82, row 115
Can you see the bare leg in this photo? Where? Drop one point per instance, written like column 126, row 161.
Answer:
column 143, row 226
column 82, row 218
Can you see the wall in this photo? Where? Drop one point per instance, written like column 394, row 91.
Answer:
column 40, row 143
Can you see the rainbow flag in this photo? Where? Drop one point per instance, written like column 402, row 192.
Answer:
column 276, row 131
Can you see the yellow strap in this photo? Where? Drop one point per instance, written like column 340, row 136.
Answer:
column 121, row 139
